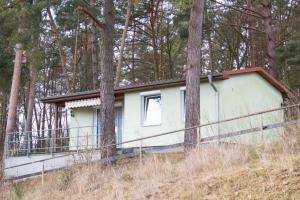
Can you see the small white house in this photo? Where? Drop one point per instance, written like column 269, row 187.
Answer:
column 158, row 107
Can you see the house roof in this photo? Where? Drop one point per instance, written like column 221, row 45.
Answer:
column 119, row 91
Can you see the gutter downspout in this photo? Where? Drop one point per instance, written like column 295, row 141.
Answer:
column 217, row 102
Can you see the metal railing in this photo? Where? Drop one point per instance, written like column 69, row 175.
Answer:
column 290, row 116
column 86, row 137
column 26, row 143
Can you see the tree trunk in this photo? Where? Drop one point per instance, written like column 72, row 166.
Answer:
column 122, row 46
column 107, row 98
column 3, row 116
column 2, row 139
column 14, row 92
column 94, row 57
column 13, row 103
column 26, row 97
column 153, row 18
column 94, row 51
column 162, row 68
column 37, row 117
column 60, row 49
column 251, row 24
column 42, row 143
column 211, row 53
column 86, row 83
column 75, row 56
column 2, row 132
column 133, row 54
column 192, row 112
column 169, row 51
column 267, row 13
column 28, row 123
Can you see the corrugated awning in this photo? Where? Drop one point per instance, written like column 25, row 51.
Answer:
column 91, row 102
column 83, row 103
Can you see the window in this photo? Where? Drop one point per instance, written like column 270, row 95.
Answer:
column 151, row 110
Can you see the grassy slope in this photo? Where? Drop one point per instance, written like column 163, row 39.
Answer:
column 227, row 172
column 274, row 182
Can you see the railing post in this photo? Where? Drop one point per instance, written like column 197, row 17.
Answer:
column 14, row 142
column 218, row 124
column 262, row 128
column 51, row 144
column 28, row 143
column 77, row 139
column 87, row 140
column 61, row 139
column 56, row 128
column 6, row 150
column 43, row 141
column 92, row 136
column 43, row 169
column 141, row 153
column 198, row 137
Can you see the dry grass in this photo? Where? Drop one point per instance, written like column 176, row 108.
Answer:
column 211, row 172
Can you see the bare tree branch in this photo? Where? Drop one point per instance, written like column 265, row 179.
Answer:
column 238, row 9
column 91, row 15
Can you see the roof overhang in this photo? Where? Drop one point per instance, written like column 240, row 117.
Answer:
column 120, row 91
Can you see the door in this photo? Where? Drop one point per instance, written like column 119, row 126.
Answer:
column 118, row 126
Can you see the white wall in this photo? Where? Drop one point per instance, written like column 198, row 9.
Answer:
column 239, row 95
column 84, row 118
column 246, row 94
column 170, row 119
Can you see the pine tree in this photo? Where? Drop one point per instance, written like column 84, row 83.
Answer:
column 192, row 111
column 107, row 97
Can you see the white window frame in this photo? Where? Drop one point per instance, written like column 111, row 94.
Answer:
column 144, row 95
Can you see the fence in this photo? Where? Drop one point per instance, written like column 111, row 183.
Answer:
column 88, row 137
column 26, row 143
column 291, row 114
